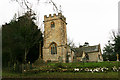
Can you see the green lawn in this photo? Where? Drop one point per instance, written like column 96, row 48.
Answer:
column 79, row 65
column 38, row 74
column 90, row 64
column 61, row 75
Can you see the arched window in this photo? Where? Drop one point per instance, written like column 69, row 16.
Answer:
column 52, row 24
column 53, row 48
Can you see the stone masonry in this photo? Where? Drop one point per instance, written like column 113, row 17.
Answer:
column 55, row 35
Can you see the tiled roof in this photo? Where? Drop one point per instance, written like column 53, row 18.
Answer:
column 88, row 49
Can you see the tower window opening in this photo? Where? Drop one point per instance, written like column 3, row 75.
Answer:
column 52, row 24
column 53, row 49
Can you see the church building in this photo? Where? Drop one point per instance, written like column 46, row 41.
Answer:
column 55, row 39
column 55, row 48
column 89, row 54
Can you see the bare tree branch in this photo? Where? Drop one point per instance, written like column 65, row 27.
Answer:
column 26, row 4
column 54, row 5
column 70, row 43
column 114, row 34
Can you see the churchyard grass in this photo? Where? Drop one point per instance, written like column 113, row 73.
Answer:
column 67, row 70
column 89, row 64
column 61, row 75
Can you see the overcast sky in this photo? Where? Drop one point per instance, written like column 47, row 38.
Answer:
column 88, row 20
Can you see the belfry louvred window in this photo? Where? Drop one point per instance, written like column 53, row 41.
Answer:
column 53, row 48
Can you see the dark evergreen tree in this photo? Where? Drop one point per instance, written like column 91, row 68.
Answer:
column 117, row 45
column 21, row 38
column 112, row 49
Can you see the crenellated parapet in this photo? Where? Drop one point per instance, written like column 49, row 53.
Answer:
column 54, row 17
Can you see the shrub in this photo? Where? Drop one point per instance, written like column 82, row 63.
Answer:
column 59, row 65
column 39, row 62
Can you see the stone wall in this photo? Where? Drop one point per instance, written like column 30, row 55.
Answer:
column 57, row 35
column 93, row 56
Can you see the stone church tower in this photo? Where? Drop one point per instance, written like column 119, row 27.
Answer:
column 55, row 38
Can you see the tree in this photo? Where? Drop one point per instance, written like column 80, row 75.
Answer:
column 108, row 49
column 8, row 42
column 108, row 52
column 117, row 44
column 111, row 49
column 19, row 38
column 25, row 4
column 70, row 43
column 30, row 34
